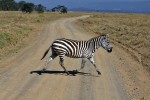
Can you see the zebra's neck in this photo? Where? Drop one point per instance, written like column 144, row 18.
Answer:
column 94, row 44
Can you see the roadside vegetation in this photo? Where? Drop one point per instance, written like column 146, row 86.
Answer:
column 130, row 30
column 16, row 28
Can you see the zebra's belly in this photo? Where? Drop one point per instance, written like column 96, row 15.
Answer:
column 78, row 55
column 74, row 56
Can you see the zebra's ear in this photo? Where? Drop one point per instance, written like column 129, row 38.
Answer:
column 103, row 35
column 107, row 35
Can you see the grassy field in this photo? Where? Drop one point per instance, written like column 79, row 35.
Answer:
column 130, row 30
column 16, row 28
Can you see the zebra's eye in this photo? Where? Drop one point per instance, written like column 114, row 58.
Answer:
column 104, row 39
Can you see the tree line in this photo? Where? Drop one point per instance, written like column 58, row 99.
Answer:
column 27, row 7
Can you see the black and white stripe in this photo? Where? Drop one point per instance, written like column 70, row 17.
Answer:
column 77, row 49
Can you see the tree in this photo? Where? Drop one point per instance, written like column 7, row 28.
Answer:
column 8, row 5
column 40, row 8
column 60, row 8
column 27, row 7
column 20, row 4
column 63, row 9
column 55, row 9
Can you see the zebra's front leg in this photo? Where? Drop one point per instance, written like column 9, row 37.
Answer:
column 82, row 64
column 93, row 62
column 62, row 65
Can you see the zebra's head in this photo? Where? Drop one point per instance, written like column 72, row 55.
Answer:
column 105, row 43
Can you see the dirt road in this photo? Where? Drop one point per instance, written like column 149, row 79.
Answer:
column 16, row 82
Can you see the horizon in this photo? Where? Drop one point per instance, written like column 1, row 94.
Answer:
column 135, row 6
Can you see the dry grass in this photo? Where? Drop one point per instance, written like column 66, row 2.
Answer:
column 131, row 30
column 17, row 28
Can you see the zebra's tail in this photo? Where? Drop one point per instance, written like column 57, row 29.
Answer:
column 46, row 52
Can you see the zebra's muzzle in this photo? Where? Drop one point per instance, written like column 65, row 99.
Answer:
column 109, row 49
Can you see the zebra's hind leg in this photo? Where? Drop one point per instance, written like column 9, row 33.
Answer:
column 48, row 61
column 91, row 59
column 62, row 64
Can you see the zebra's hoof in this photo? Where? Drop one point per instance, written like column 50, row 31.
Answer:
column 40, row 73
column 44, row 69
column 67, row 73
column 75, row 71
column 99, row 73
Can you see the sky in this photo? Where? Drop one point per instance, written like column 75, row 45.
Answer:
column 96, row 4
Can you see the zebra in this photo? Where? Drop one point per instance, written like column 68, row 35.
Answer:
column 77, row 49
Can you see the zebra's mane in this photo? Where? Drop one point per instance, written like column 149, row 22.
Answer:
column 68, row 39
column 96, row 37
column 94, row 43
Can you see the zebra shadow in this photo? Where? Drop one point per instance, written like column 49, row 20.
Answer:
column 71, row 73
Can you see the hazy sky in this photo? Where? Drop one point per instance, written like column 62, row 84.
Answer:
column 97, row 4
